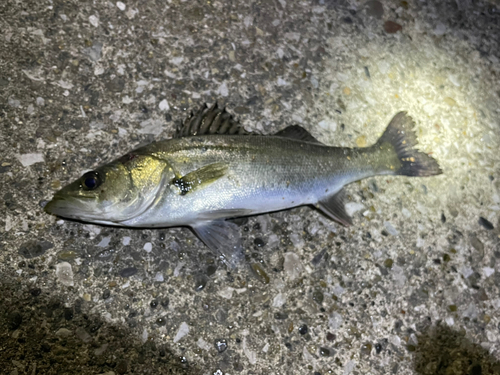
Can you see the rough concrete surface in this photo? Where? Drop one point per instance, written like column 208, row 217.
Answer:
column 411, row 288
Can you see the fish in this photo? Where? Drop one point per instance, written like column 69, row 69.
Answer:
column 213, row 169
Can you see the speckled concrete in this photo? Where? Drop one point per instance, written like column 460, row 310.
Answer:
column 412, row 288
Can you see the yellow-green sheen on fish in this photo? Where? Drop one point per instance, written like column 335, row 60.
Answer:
column 213, row 170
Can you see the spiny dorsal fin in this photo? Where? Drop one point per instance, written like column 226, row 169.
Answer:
column 297, row 132
column 209, row 121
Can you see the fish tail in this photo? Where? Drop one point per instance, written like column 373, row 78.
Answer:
column 400, row 135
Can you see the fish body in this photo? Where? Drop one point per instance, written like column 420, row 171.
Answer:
column 258, row 174
column 212, row 171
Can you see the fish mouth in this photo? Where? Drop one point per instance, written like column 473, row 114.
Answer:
column 67, row 207
column 75, row 209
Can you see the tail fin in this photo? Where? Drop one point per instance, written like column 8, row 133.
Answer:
column 400, row 135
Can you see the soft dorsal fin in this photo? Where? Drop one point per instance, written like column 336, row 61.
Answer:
column 209, row 121
column 297, row 132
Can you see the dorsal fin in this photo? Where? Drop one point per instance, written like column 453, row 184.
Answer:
column 214, row 120
column 209, row 121
column 297, row 132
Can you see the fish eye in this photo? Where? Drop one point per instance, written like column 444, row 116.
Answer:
column 91, row 180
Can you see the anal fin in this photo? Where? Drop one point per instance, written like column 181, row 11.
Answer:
column 334, row 208
column 222, row 237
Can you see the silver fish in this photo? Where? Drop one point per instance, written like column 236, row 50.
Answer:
column 212, row 170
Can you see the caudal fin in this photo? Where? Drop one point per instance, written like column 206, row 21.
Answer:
column 400, row 135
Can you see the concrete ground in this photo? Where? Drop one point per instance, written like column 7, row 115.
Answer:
column 412, row 288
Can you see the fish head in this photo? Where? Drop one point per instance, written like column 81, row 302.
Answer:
column 112, row 193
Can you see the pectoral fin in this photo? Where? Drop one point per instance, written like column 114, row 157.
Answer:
column 200, row 177
column 334, row 207
column 224, row 238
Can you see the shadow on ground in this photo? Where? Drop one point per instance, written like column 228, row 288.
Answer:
column 39, row 334
column 443, row 351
